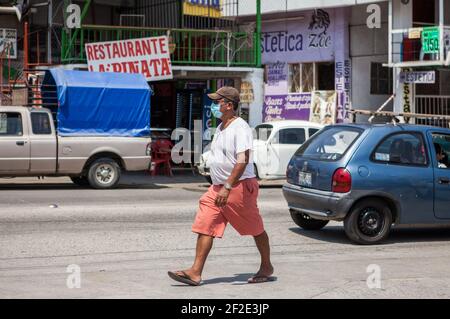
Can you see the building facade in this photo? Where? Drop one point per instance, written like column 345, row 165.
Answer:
column 419, row 43
column 208, row 48
column 308, row 62
column 320, row 62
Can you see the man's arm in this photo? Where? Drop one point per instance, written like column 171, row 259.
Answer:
column 236, row 173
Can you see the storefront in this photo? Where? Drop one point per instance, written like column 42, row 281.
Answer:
column 179, row 103
column 307, row 67
column 183, row 104
column 419, row 54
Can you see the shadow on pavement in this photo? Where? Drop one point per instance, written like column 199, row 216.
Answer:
column 331, row 234
column 237, row 279
column 336, row 234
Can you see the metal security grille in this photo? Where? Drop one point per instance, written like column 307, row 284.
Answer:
column 132, row 20
column 189, row 14
column 210, row 14
column 158, row 13
column 201, row 32
column 435, row 105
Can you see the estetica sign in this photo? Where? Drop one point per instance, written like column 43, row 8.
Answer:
column 310, row 38
column 428, row 77
column 147, row 56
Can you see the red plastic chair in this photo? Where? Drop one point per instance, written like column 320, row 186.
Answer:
column 161, row 156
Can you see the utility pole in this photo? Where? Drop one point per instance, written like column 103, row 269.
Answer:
column 258, row 33
column 49, row 31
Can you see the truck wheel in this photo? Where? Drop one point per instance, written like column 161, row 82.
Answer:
column 369, row 222
column 306, row 222
column 104, row 173
column 80, row 180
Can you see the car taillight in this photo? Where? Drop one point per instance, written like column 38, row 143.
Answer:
column 342, row 181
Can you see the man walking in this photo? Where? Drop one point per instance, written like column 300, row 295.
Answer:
column 233, row 196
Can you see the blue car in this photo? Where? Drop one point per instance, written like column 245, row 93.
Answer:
column 370, row 177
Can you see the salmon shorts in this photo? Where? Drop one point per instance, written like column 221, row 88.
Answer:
column 241, row 211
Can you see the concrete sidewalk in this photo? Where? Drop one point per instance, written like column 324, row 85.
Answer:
column 128, row 179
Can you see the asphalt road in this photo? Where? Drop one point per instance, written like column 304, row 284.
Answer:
column 124, row 241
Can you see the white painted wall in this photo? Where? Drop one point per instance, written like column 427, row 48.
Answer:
column 248, row 7
column 402, row 14
column 366, row 46
column 361, row 97
column 402, row 19
column 256, row 77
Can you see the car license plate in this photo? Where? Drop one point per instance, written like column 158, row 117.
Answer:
column 305, row 179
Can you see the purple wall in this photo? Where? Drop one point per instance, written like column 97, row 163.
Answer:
column 309, row 39
column 317, row 36
column 286, row 107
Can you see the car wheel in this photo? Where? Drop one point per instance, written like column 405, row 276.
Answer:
column 104, row 173
column 80, row 180
column 306, row 222
column 369, row 222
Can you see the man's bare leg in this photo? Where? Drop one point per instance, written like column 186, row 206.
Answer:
column 204, row 245
column 266, row 268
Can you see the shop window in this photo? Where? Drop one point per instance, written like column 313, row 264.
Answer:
column 380, row 79
column 326, row 76
column 294, row 78
column 423, row 13
column 308, row 77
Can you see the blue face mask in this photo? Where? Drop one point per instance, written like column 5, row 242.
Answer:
column 215, row 110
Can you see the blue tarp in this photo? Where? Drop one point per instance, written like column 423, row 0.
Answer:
column 99, row 104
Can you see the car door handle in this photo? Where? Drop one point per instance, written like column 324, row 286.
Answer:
column 20, row 143
column 444, row 180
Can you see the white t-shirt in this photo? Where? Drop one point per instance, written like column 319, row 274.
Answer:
column 226, row 144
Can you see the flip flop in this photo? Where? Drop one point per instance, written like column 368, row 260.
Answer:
column 185, row 279
column 260, row 279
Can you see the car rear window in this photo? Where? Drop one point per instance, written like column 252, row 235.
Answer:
column 330, row 144
column 263, row 131
column 40, row 123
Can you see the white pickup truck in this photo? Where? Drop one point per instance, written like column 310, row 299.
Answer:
column 30, row 146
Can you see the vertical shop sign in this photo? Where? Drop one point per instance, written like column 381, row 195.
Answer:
column 343, row 85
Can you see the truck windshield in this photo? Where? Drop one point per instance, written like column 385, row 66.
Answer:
column 330, row 144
